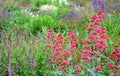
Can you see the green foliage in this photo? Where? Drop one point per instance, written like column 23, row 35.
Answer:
column 59, row 13
column 39, row 23
column 42, row 2
column 112, row 24
column 21, row 20
column 4, row 23
column 11, row 6
column 41, row 64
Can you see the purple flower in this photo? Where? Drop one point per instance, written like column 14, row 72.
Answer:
column 5, row 73
column 117, row 6
column 9, row 63
column 114, row 6
column 4, row 12
column 25, row 57
column 72, row 15
column 98, row 5
column 16, row 67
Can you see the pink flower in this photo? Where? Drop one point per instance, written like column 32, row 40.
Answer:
column 73, row 44
column 77, row 75
column 66, row 53
column 98, row 67
column 88, row 28
column 77, row 68
column 114, row 74
column 48, row 45
column 50, row 35
column 60, row 35
column 85, row 57
column 50, row 61
column 60, row 68
column 74, row 37
column 110, row 65
column 66, row 62
column 118, row 61
column 55, row 46
column 90, row 36
column 87, row 51
column 50, row 32
column 55, row 53
column 85, row 42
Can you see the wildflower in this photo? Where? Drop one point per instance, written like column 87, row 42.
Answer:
column 55, row 53
column 77, row 52
column 66, row 53
column 118, row 61
column 114, row 74
column 48, row 8
column 110, row 65
column 50, row 61
column 85, row 42
column 72, row 15
column 66, row 62
column 117, row 40
column 115, row 54
column 76, row 74
column 57, row 62
column 77, row 68
column 5, row 35
column 97, row 68
column 9, row 63
column 85, row 57
column 72, row 39
column 60, row 68
column 98, row 5
column 50, row 35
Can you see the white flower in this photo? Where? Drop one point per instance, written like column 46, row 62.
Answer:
column 47, row 8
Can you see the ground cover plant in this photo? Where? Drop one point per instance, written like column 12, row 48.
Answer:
column 59, row 38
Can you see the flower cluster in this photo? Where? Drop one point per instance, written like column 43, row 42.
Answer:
column 86, row 54
column 98, row 5
column 113, row 66
column 97, row 34
column 115, row 54
column 96, row 37
column 64, row 49
column 50, row 35
column 60, row 54
column 72, row 39
column 97, row 68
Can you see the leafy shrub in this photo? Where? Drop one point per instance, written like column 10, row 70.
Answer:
column 21, row 20
column 39, row 23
